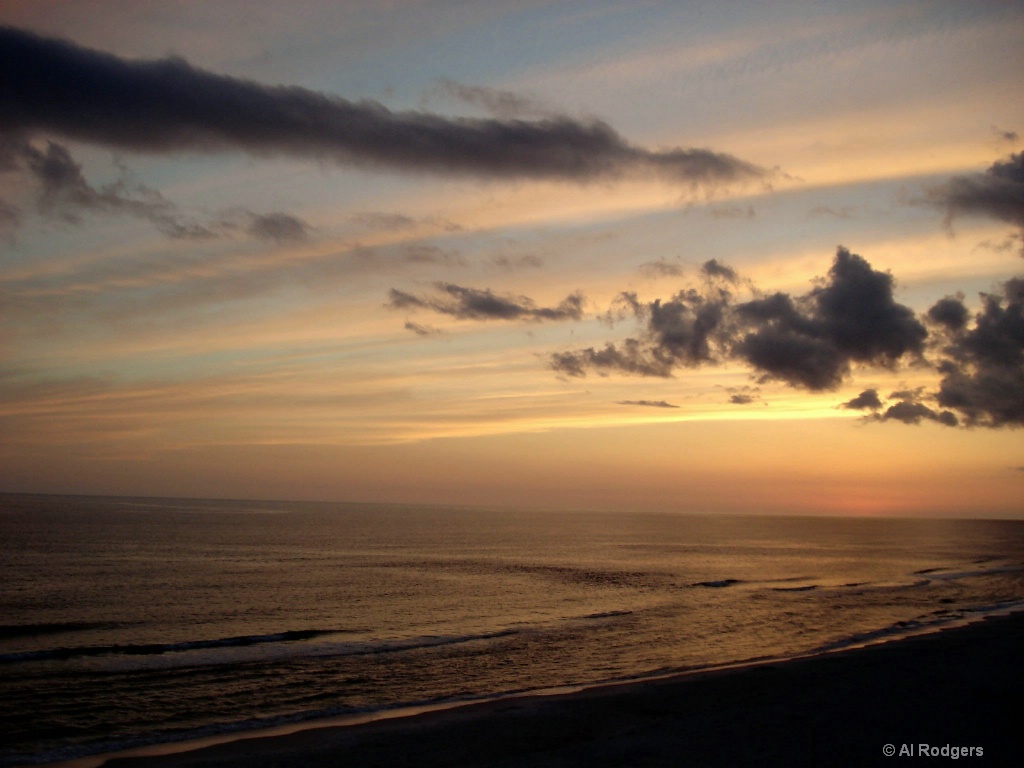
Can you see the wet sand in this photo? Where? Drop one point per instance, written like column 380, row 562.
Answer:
column 959, row 688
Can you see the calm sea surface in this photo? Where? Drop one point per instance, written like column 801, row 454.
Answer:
column 132, row 621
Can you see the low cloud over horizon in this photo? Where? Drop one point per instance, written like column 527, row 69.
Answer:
column 815, row 341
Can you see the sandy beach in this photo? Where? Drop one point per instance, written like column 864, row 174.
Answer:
column 940, row 694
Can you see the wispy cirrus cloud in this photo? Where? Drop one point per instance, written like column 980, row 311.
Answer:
column 483, row 304
column 422, row 330
column 661, row 268
column 398, row 222
column 58, row 87
column 423, row 253
column 518, row 261
column 647, row 403
column 62, row 192
column 495, row 101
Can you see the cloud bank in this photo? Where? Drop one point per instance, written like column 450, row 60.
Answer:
column 809, row 341
column 57, row 87
column 814, row 341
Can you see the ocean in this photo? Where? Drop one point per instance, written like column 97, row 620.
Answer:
column 131, row 621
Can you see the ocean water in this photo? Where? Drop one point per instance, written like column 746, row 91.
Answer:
column 126, row 622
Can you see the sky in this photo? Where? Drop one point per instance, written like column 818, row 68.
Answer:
column 748, row 257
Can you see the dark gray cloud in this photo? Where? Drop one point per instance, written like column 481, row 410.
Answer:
column 907, row 407
column 691, row 327
column 809, row 341
column 866, row 400
column 713, row 269
column 475, row 304
column 949, row 312
column 796, row 358
column 744, row 395
column 912, row 412
column 647, row 403
column 630, row 356
column 812, row 341
column 982, row 365
column 167, row 105
column 998, row 192
column 63, row 193
column 687, row 330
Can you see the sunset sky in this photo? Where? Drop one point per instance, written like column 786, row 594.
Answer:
column 698, row 256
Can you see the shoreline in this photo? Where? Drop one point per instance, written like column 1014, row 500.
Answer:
column 657, row 719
